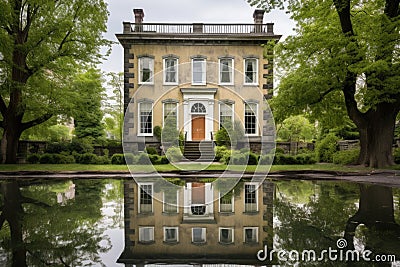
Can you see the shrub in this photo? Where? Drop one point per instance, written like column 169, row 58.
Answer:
column 346, row 156
column 117, row 159
column 33, row 158
column 326, row 148
column 143, row 159
column 239, row 158
column 81, row 145
column 219, row 152
column 88, row 158
column 164, row 160
column 57, row 147
column 265, row 160
column 222, row 137
column 396, row 155
column 46, row 159
column 279, row 150
column 154, row 159
column 157, row 132
column 226, row 156
column 253, row 159
column 129, row 159
column 151, row 150
column 174, row 154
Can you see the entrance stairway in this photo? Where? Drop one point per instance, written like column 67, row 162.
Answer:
column 200, row 151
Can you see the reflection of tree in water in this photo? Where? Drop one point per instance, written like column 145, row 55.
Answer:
column 312, row 215
column 39, row 231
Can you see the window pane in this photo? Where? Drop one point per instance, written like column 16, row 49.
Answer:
column 170, row 201
column 170, row 113
column 170, row 235
column 225, row 114
column 226, row 70
column 226, row 235
column 146, row 199
column 146, row 69
column 198, row 235
column 171, row 70
column 250, row 71
column 250, row 119
column 199, row 71
column 146, row 117
column 250, row 198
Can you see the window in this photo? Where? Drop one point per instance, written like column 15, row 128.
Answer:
column 171, row 234
column 250, row 198
column 250, row 118
column 146, row 70
column 225, row 114
column 170, row 113
column 226, row 71
column 146, row 199
column 146, row 234
column 145, row 119
column 198, row 108
column 198, row 235
column 226, row 235
column 226, row 202
column 250, row 234
column 170, row 203
column 171, row 71
column 199, row 71
column 250, row 71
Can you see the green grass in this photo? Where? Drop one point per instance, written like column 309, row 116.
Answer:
column 171, row 168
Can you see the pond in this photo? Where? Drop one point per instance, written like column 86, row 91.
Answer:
column 121, row 222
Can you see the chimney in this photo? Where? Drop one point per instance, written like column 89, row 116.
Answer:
column 270, row 28
column 258, row 16
column 139, row 15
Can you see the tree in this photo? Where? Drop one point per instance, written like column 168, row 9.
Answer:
column 114, row 109
column 42, row 44
column 296, row 128
column 88, row 115
column 344, row 60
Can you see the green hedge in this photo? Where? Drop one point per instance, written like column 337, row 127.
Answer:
column 346, row 156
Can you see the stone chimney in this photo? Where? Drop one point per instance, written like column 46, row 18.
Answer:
column 139, row 15
column 258, row 16
column 270, row 28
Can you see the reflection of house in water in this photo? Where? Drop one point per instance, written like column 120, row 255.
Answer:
column 63, row 197
column 186, row 226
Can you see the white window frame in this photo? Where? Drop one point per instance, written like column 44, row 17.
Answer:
column 231, row 229
column 139, row 121
column 151, row 195
column 256, row 115
column 232, row 200
column 177, row 202
column 244, row 72
column 231, row 71
column 165, row 71
column 244, row 234
column 141, row 233
column 219, row 112
column 203, row 235
column 176, row 111
column 256, row 197
column 151, row 78
column 204, row 72
column 176, row 233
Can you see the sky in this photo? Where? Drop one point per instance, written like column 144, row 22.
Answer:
column 184, row 11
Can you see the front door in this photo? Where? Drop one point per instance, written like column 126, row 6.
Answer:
column 198, row 128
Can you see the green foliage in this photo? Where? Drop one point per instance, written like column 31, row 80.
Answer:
column 222, row 138
column 57, row 147
column 48, row 158
column 118, row 159
column 220, row 151
column 174, row 154
column 82, row 145
column 396, row 155
column 300, row 159
column 170, row 133
column 279, row 150
column 229, row 134
column 296, row 128
column 157, row 132
column 33, row 158
column 88, row 114
column 151, row 150
column 326, row 148
column 346, row 156
column 114, row 105
column 143, row 159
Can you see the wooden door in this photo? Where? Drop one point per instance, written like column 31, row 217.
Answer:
column 198, row 128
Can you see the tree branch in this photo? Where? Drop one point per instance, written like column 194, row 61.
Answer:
column 3, row 106
column 41, row 119
column 321, row 96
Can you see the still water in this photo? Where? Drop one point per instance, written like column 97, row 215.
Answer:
column 116, row 222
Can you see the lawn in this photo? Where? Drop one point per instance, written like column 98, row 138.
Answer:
column 172, row 168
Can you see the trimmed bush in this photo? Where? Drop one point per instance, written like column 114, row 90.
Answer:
column 265, row 159
column 253, row 159
column 164, row 160
column 48, row 158
column 154, row 159
column 81, row 145
column 117, row 159
column 279, row 150
column 129, row 159
column 226, row 157
column 143, row 159
column 301, row 159
column 346, row 156
column 157, row 132
column 326, row 148
column 220, row 151
column 174, row 154
column 33, row 158
column 57, row 147
column 151, row 150
column 222, row 137
column 88, row 158
column 239, row 158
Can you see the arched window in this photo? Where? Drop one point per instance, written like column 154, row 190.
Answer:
column 198, row 108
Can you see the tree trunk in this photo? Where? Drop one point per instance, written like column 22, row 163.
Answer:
column 376, row 138
column 13, row 214
column 9, row 143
